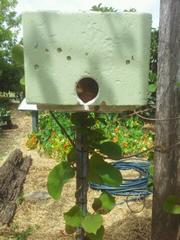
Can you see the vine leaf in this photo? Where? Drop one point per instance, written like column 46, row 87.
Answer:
column 172, row 205
column 74, row 217
column 104, row 204
column 101, row 172
column 58, row 176
column 72, row 156
column 152, row 88
column 69, row 229
column 92, row 222
column 110, row 149
column 98, row 236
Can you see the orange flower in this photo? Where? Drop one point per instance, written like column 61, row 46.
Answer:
column 32, row 142
column 66, row 145
column 125, row 144
column 53, row 133
column 116, row 130
column 115, row 139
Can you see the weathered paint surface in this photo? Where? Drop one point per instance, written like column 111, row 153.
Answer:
column 111, row 48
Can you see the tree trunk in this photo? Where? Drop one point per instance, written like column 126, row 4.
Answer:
column 167, row 161
column 12, row 176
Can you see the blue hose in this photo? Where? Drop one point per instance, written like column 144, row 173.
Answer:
column 130, row 187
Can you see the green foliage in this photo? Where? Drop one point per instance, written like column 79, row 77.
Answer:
column 102, row 172
column 10, row 74
column 128, row 134
column 178, row 84
column 152, row 87
column 74, row 217
column 130, row 10
column 58, row 177
column 92, row 222
column 23, row 235
column 100, row 8
column 18, row 55
column 9, row 23
column 4, row 110
column 16, row 234
column 104, row 204
column 69, row 229
column 172, row 205
column 50, row 139
column 98, row 236
column 111, row 150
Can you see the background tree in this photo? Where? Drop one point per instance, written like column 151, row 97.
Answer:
column 10, row 73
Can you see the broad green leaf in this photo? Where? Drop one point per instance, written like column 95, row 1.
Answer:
column 72, row 156
column 104, row 204
column 152, row 87
column 172, row 205
column 101, row 172
column 92, row 222
column 59, row 175
column 18, row 55
column 69, row 229
column 112, row 150
column 98, row 236
column 74, row 217
column 97, row 204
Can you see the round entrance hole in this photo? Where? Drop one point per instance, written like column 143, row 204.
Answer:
column 87, row 89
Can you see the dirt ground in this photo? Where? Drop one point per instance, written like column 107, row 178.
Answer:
column 44, row 215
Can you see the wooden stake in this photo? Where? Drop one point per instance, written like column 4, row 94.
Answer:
column 82, row 169
column 167, row 163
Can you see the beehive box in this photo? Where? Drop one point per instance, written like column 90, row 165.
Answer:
column 96, row 59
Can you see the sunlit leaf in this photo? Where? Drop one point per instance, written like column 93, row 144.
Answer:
column 152, row 87
column 102, row 172
column 98, row 236
column 104, row 204
column 92, row 222
column 59, row 175
column 74, row 217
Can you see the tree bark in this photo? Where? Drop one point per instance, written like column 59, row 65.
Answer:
column 12, row 176
column 167, row 161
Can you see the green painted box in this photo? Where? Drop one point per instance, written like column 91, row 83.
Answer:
column 68, row 55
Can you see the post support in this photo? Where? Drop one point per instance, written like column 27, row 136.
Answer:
column 82, row 168
column 34, row 115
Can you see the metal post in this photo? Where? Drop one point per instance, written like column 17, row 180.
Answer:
column 34, row 120
column 82, row 169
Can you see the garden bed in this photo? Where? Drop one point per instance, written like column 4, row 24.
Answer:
column 42, row 218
